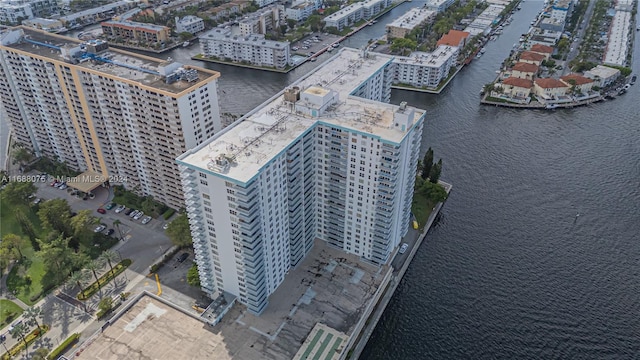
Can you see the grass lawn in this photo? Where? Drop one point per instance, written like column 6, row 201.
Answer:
column 8, row 223
column 8, row 311
column 421, row 208
column 27, row 290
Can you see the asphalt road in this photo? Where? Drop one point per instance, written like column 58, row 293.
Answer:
column 582, row 29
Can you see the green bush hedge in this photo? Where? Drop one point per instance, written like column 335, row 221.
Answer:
column 30, row 338
column 155, row 267
column 102, row 313
column 104, row 279
column 63, row 347
column 167, row 214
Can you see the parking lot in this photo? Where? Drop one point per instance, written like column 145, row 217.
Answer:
column 312, row 47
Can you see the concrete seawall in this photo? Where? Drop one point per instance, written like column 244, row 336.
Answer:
column 375, row 312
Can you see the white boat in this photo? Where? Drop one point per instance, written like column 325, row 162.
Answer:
column 185, row 44
column 482, row 50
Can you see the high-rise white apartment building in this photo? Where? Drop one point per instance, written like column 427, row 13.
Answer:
column 327, row 158
column 355, row 12
column 114, row 113
column 421, row 69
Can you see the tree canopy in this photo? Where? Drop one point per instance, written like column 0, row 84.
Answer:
column 179, row 231
column 18, row 192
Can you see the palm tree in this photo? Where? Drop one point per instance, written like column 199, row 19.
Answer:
column 117, row 223
column 94, row 266
column 109, row 256
column 18, row 332
column 32, row 314
column 76, row 278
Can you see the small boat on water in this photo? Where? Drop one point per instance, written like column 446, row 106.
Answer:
column 633, row 79
column 482, row 51
column 185, row 44
column 551, row 106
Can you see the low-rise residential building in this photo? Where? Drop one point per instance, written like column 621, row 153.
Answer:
column 191, row 24
column 301, row 10
column 603, row 75
column 524, row 70
column 560, row 10
column 481, row 25
column 426, row 70
column 542, row 49
column 149, row 34
column 262, row 3
column 516, row 87
column 412, row 19
column 550, row 88
column 100, row 13
column 253, row 49
column 454, row 38
column 263, row 20
column 14, row 11
column 353, row 13
column 49, row 25
column 580, row 83
column 532, row 58
column 551, row 24
column 438, row 5
column 618, row 39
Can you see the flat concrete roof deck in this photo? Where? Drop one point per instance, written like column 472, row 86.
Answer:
column 329, row 287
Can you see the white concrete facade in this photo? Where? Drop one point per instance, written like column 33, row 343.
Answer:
column 409, row 21
column 253, row 49
column 190, row 24
column 327, row 158
column 353, row 13
column 438, row 5
column 301, row 10
column 619, row 39
column 13, row 11
column 120, row 118
column 425, row 69
column 262, row 21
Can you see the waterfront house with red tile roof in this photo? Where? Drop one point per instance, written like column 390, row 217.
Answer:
column 550, row 88
column 532, row 57
column 524, row 70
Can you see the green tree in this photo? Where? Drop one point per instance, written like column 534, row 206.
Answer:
column 193, row 278
column 22, row 155
column 59, row 260
column 80, row 224
column 401, row 45
column 110, row 256
column 94, row 267
column 283, row 29
column 436, row 170
column 184, row 36
column 179, row 231
column 55, row 215
column 6, row 256
column 434, row 192
column 14, row 243
column 427, row 163
column 27, row 228
column 32, row 315
column 105, row 305
column 292, row 23
column 18, row 332
column 40, row 354
column 76, row 278
column 315, row 22
column 18, row 192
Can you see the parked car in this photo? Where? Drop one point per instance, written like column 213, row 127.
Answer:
column 403, row 248
column 37, row 201
column 19, row 322
column 134, row 213
column 165, row 226
column 128, row 212
column 138, row 215
column 183, row 257
column 108, row 232
column 146, row 219
column 110, row 206
column 100, row 228
column 102, row 211
column 63, row 186
column 120, row 208
column 54, row 183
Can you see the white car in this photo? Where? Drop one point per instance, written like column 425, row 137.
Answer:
column 165, row 226
column 99, row 228
column 146, row 219
column 120, row 209
column 295, row 48
column 403, row 248
column 134, row 213
column 138, row 215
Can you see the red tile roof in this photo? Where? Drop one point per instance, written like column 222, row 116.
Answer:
column 539, row 48
column 525, row 67
column 453, row 38
column 549, row 83
column 579, row 79
column 523, row 83
column 528, row 55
